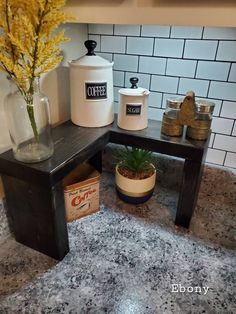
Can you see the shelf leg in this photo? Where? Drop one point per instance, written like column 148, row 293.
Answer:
column 38, row 218
column 96, row 161
column 188, row 195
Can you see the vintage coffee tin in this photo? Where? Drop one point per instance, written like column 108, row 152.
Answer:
column 81, row 192
column 133, row 107
column 91, row 84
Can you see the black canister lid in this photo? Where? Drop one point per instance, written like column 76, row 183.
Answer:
column 87, row 61
column 134, row 82
column 90, row 45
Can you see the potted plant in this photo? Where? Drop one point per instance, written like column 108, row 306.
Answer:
column 135, row 175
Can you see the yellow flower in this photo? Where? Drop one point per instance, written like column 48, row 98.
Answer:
column 29, row 46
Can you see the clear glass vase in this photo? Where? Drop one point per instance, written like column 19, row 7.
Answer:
column 29, row 125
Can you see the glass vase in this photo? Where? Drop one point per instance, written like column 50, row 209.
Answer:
column 29, row 125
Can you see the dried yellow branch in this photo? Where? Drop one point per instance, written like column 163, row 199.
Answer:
column 29, row 46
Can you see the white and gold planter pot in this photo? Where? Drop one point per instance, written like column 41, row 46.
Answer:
column 134, row 191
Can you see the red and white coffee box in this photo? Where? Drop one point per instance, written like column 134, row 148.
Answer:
column 81, row 192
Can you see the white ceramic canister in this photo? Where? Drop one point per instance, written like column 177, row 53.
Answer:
column 133, row 107
column 91, row 86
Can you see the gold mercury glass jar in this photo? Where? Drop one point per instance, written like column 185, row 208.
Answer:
column 170, row 124
column 201, row 126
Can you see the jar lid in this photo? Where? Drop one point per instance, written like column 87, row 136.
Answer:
column 174, row 103
column 134, row 90
column 204, row 106
column 90, row 60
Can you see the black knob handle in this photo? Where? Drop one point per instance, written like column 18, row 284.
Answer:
column 90, row 45
column 134, row 82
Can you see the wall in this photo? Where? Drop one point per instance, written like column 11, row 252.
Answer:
column 172, row 60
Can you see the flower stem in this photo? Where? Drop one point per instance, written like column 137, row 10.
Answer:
column 30, row 110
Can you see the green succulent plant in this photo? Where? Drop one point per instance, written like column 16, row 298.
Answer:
column 135, row 159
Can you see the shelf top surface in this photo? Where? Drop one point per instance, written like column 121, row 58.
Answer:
column 73, row 144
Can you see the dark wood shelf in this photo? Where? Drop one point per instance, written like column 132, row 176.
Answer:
column 34, row 192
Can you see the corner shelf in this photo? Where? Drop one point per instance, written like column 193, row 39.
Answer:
column 34, row 192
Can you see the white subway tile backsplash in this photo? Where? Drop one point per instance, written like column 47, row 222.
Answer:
column 118, row 78
column 215, row 156
column 116, row 94
column 97, row 38
column 213, row 70
column 200, row 87
column 169, row 47
column 230, row 160
column 200, row 49
column 155, row 31
column 217, row 107
column 125, row 62
column 225, row 142
column 152, row 65
column 144, row 79
column 211, row 139
column 171, row 60
column 226, row 51
column 228, row 109
column 232, row 75
column 223, row 126
column 234, row 129
column 219, row 33
column 127, row 30
column 107, row 56
column 155, row 114
column 164, row 84
column 178, row 67
column 103, row 29
column 186, row 32
column 222, row 90
column 155, row 100
column 113, row 44
column 140, row 46
column 116, row 107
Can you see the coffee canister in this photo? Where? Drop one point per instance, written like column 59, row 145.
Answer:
column 133, row 107
column 91, row 86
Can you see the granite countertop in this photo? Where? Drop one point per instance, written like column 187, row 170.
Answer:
column 125, row 258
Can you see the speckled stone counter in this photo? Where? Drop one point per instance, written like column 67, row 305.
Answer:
column 125, row 259
column 4, row 222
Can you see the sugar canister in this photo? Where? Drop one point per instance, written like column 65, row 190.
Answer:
column 133, row 107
